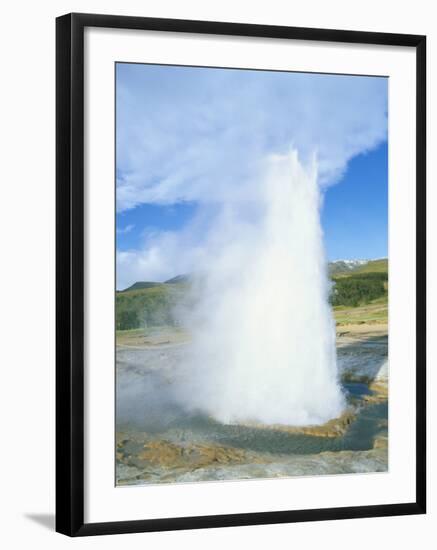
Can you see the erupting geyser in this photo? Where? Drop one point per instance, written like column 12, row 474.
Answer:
column 264, row 336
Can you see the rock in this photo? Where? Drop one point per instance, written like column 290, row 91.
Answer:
column 333, row 428
column 163, row 454
column 379, row 386
column 381, row 442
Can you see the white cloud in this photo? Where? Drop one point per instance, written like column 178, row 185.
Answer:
column 200, row 134
column 163, row 256
column 124, row 230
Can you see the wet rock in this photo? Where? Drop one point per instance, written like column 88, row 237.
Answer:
column 379, row 386
column 333, row 428
column 162, row 454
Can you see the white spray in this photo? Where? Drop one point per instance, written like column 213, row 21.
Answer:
column 264, row 336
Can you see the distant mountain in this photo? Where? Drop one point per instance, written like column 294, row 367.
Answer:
column 344, row 266
column 141, row 285
column 339, row 267
column 178, row 279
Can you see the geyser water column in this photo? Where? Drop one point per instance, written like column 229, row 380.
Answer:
column 264, row 335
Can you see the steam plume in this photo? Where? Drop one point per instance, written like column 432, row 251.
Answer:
column 264, row 336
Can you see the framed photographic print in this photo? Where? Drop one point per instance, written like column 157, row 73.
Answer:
column 240, row 274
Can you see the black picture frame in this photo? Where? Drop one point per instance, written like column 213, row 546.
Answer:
column 70, row 273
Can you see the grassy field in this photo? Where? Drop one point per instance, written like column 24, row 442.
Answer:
column 375, row 312
column 372, row 315
column 374, row 266
column 157, row 336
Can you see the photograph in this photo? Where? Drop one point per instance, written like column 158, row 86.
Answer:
column 252, row 274
column 218, row 261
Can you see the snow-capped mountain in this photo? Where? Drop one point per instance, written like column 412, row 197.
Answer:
column 342, row 266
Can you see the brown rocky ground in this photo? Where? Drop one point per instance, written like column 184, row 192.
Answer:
column 160, row 461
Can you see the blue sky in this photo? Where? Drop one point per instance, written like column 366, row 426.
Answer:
column 192, row 140
column 355, row 212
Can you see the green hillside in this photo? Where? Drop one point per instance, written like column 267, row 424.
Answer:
column 148, row 304
column 373, row 266
column 140, row 285
column 361, row 285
